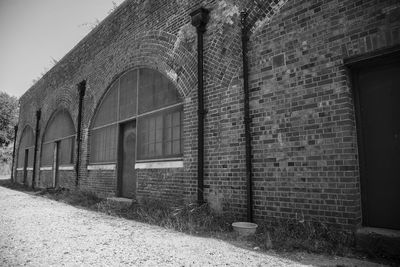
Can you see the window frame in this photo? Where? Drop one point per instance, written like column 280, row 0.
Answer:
column 137, row 117
column 164, row 112
column 21, row 149
column 59, row 139
column 55, row 140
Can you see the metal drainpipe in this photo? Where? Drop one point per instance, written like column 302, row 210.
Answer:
column 247, row 119
column 199, row 20
column 13, row 155
column 38, row 114
column 81, row 90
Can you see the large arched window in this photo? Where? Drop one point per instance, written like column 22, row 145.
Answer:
column 26, row 148
column 152, row 100
column 58, row 140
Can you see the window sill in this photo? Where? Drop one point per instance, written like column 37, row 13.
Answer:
column 66, row 168
column 101, row 167
column 159, row 165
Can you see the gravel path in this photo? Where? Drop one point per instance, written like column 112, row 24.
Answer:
column 36, row 231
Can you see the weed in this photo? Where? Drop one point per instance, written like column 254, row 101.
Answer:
column 310, row 236
column 189, row 218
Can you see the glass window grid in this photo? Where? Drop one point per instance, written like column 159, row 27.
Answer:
column 136, row 117
column 160, row 135
column 47, row 159
column 27, row 142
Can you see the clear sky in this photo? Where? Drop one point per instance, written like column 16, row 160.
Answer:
column 32, row 32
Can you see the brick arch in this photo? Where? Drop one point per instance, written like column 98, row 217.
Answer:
column 59, row 100
column 259, row 14
column 158, row 50
column 54, row 114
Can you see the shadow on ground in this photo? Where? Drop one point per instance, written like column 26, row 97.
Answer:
column 87, row 200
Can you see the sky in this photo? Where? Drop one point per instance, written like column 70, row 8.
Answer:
column 34, row 32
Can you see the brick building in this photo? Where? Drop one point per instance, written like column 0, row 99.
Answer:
column 118, row 115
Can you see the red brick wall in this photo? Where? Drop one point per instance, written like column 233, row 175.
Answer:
column 303, row 127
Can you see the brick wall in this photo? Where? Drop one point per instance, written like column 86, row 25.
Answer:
column 303, row 127
column 304, row 135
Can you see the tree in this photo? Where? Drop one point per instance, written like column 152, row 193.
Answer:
column 8, row 118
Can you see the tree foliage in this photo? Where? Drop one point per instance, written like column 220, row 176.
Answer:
column 8, row 118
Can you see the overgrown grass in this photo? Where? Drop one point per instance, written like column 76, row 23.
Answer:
column 290, row 235
column 287, row 235
column 80, row 198
column 189, row 218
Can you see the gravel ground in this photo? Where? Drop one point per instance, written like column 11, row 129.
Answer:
column 35, row 231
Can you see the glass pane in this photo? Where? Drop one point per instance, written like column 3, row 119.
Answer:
column 47, row 154
column 176, row 118
column 168, row 148
column 127, row 95
column 176, row 133
column 27, row 138
column 158, row 150
column 146, row 101
column 160, row 135
column 103, row 146
column 21, row 153
column 176, row 147
column 60, row 125
column 66, row 151
column 155, row 91
column 107, row 112
column 30, row 157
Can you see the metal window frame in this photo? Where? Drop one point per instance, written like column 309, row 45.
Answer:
column 136, row 117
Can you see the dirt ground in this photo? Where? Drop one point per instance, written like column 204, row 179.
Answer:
column 35, row 231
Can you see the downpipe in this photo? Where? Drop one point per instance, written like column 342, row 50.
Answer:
column 37, row 130
column 247, row 118
column 199, row 20
column 81, row 90
column 13, row 154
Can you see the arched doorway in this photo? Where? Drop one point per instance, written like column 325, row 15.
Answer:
column 58, row 144
column 25, row 153
column 138, row 120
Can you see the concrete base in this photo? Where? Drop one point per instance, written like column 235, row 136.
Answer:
column 379, row 242
column 125, row 202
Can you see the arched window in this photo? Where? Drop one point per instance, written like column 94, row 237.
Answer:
column 58, row 140
column 150, row 99
column 26, row 148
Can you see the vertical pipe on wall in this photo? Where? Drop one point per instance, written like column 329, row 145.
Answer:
column 199, row 20
column 81, row 91
column 38, row 114
column 13, row 154
column 247, row 118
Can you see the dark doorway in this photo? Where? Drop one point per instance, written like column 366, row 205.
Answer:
column 26, row 160
column 56, row 163
column 378, row 101
column 126, row 160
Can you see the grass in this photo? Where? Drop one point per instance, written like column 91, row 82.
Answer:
column 189, row 218
column 315, row 237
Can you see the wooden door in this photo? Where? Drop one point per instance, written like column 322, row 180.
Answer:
column 126, row 160
column 56, row 163
column 26, row 160
column 379, row 114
